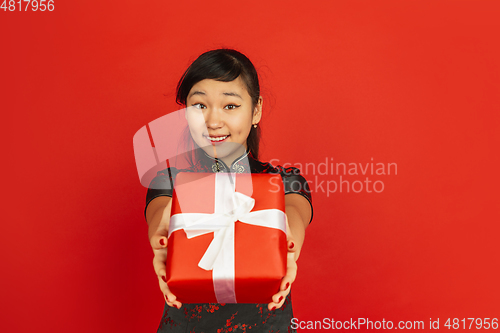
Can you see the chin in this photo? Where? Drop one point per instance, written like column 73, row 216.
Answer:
column 224, row 150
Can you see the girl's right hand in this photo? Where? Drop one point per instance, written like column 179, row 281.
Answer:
column 158, row 217
column 159, row 245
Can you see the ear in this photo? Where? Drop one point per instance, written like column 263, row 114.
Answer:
column 257, row 112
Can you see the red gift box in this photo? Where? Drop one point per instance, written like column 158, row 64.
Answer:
column 232, row 225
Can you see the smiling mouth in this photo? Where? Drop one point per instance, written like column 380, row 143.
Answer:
column 216, row 138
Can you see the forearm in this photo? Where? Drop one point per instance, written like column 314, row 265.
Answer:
column 298, row 211
column 158, row 214
column 297, row 228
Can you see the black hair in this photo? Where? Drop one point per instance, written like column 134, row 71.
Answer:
column 224, row 65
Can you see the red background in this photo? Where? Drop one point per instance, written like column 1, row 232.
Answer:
column 409, row 82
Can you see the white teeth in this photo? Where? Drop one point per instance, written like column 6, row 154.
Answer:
column 220, row 138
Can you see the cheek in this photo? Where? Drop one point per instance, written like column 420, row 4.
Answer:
column 197, row 128
column 197, row 137
column 243, row 123
column 195, row 120
column 244, row 131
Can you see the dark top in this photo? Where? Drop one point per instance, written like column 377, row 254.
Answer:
column 215, row 317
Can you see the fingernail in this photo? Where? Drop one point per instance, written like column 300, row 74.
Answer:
column 177, row 306
column 287, row 285
column 162, row 241
column 280, row 299
column 291, row 245
column 274, row 308
column 164, row 279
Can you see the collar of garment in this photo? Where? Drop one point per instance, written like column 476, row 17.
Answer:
column 239, row 165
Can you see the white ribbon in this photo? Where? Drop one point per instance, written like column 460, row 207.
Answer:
column 230, row 206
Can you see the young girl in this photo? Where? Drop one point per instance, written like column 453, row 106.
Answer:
column 221, row 91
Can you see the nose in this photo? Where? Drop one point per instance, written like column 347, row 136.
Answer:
column 213, row 118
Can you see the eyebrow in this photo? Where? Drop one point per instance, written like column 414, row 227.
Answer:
column 196, row 92
column 199, row 92
column 232, row 94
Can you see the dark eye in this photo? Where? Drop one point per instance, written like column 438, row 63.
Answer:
column 199, row 106
column 231, row 106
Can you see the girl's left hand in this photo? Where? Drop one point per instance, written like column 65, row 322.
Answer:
column 291, row 272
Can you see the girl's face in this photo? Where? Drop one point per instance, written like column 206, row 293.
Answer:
column 220, row 116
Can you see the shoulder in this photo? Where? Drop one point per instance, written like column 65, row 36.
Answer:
column 163, row 178
column 293, row 180
column 162, row 184
column 266, row 167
